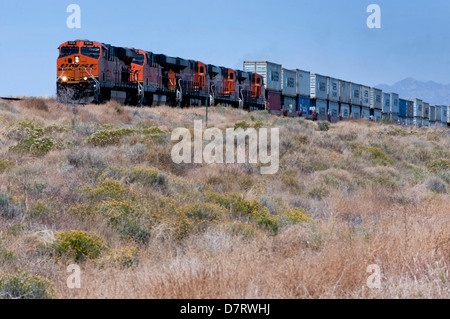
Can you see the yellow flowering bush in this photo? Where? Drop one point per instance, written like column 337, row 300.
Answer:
column 79, row 245
column 22, row 285
column 250, row 208
column 109, row 189
column 125, row 257
column 128, row 218
column 295, row 216
column 148, row 176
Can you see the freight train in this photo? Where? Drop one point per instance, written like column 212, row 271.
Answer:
column 90, row 71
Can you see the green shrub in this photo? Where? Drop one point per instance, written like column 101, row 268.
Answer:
column 31, row 139
column 243, row 124
column 79, row 245
column 128, row 219
column 148, row 176
column 323, row 126
column 22, row 285
column 109, row 137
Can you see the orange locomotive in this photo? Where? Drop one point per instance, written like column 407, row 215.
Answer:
column 95, row 72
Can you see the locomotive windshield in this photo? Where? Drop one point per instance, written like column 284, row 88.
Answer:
column 69, row 51
column 139, row 59
column 92, row 52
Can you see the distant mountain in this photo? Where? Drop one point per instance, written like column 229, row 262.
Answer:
column 430, row 92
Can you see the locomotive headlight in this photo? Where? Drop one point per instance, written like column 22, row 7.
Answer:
column 77, row 59
column 64, row 78
column 85, row 78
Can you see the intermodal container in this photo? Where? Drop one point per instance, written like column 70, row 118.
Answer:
column 432, row 116
column 426, row 114
column 356, row 94
column 346, row 92
column 376, row 99
column 303, row 82
column 402, row 108
column 394, row 103
column 439, row 114
column 289, row 104
column 274, row 100
column 333, row 108
column 289, row 82
column 271, row 73
column 444, row 115
column 417, row 107
column 365, row 112
column 355, row 112
column 377, row 115
column 320, row 106
column 333, row 89
column 386, row 109
column 345, row 110
column 365, row 96
column 409, row 109
column 303, row 105
column 318, row 87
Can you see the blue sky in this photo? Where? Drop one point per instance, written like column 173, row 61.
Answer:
column 329, row 37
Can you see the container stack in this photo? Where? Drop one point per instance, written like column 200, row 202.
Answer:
column 432, row 116
column 376, row 103
column 394, row 107
column 355, row 100
column 386, row 106
column 319, row 95
column 426, row 114
column 365, row 102
column 345, row 99
column 289, row 90
column 303, row 91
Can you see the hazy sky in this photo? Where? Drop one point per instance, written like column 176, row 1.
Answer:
column 329, row 37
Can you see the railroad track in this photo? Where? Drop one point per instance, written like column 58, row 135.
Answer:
column 10, row 98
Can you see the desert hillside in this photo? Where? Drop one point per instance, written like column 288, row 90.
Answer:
column 96, row 186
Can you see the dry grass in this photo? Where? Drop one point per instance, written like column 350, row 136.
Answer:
column 374, row 193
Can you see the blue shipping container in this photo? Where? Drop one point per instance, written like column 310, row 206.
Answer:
column 304, row 104
column 402, row 107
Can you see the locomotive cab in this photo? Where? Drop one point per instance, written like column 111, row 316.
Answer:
column 78, row 70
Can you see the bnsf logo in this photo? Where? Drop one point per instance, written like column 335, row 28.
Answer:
column 76, row 66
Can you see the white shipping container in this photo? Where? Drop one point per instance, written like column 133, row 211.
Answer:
column 356, row 94
column 318, row 87
column 365, row 96
column 386, row 109
column 345, row 111
column 271, row 73
column 346, row 92
column 289, row 82
column 303, row 82
column 394, row 103
column 417, row 107
column 333, row 88
column 376, row 99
